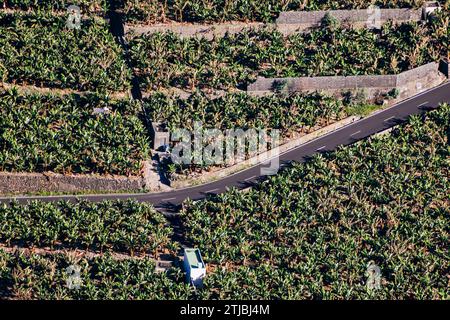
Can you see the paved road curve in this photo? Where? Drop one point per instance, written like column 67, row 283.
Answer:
column 347, row 135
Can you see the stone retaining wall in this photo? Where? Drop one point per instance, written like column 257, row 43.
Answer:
column 322, row 83
column 360, row 16
column 287, row 23
column 374, row 84
column 186, row 30
column 417, row 74
column 14, row 183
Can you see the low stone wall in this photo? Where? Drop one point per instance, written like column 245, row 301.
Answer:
column 417, row 74
column 415, row 81
column 287, row 23
column 322, row 83
column 359, row 16
column 374, row 85
column 30, row 89
column 186, row 30
column 15, row 183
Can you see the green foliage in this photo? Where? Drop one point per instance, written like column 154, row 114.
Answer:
column 330, row 22
column 166, row 60
column 240, row 110
column 279, row 86
column 151, row 11
column 124, row 226
column 393, row 94
column 57, row 5
column 362, row 109
column 44, row 277
column 308, row 232
column 62, row 134
column 288, row 113
column 41, row 50
column 262, row 282
column 315, row 226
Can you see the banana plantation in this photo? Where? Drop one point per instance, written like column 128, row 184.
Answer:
column 164, row 60
column 307, row 233
column 38, row 49
column 288, row 113
column 45, row 277
column 89, row 6
column 210, row 11
column 204, row 11
column 316, row 226
column 291, row 114
column 124, row 226
column 82, row 102
column 62, row 134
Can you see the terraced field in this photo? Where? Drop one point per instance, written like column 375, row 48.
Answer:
column 210, row 11
column 291, row 114
column 124, row 226
column 312, row 230
column 38, row 49
column 285, row 112
column 164, row 60
column 307, row 233
column 117, row 234
column 63, row 134
column 45, row 277
column 56, row 6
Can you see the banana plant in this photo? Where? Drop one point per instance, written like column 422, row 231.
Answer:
column 61, row 134
column 323, row 221
column 165, row 60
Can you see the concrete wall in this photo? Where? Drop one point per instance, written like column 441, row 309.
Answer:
column 417, row 73
column 40, row 182
column 419, row 79
column 314, row 18
column 186, row 30
column 287, row 23
column 340, row 83
column 160, row 136
column 323, row 83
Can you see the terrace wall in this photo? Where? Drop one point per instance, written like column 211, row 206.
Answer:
column 12, row 183
column 408, row 82
column 358, row 17
column 287, row 23
column 417, row 74
column 184, row 30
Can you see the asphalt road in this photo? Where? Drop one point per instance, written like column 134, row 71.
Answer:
column 349, row 134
